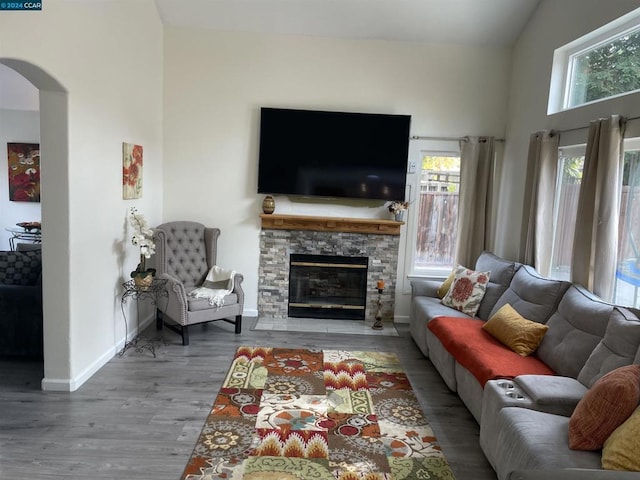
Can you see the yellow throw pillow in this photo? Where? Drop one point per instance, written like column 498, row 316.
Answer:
column 446, row 285
column 516, row 332
column 621, row 449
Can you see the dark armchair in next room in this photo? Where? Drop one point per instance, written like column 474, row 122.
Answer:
column 21, row 303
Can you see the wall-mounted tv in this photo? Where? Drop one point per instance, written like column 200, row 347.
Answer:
column 333, row 154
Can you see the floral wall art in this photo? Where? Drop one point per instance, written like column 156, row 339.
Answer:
column 131, row 171
column 24, row 172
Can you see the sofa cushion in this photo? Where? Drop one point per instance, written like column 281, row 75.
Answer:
column 502, row 272
column 575, row 329
column 197, row 304
column 531, row 295
column 20, row 268
column 621, row 449
column 619, row 346
column 467, row 290
column 516, row 332
column 606, row 405
column 552, row 394
column 477, row 351
column 533, row 440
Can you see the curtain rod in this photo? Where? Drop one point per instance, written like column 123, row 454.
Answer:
column 446, row 139
column 554, row 131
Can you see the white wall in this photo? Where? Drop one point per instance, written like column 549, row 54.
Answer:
column 107, row 55
column 24, row 127
column 553, row 25
column 215, row 84
column 16, row 92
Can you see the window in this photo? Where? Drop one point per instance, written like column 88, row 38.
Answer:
column 604, row 71
column 571, row 163
column 628, row 267
column 436, row 229
column 600, row 65
column 570, row 167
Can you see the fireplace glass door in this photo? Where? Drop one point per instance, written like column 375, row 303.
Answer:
column 327, row 286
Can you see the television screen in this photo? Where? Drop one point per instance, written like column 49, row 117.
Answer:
column 333, row 154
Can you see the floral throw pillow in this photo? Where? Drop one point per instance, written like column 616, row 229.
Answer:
column 467, row 290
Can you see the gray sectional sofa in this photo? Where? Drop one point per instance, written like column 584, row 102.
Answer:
column 524, row 420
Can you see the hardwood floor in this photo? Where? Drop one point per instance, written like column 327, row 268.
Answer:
column 139, row 416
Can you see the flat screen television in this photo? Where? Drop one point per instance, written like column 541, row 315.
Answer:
column 333, row 154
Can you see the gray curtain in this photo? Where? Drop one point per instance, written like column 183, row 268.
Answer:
column 595, row 245
column 539, row 197
column 477, row 159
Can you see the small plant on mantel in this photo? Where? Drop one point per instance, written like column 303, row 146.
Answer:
column 398, row 206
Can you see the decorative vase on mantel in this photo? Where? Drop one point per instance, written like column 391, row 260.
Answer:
column 268, row 204
column 399, row 216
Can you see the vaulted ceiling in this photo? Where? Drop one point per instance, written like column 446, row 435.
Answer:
column 466, row 22
column 469, row 22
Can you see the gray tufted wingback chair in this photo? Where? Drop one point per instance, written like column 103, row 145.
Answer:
column 185, row 252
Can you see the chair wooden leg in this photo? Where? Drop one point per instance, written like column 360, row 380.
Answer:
column 238, row 324
column 185, row 335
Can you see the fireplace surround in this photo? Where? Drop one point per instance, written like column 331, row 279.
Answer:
column 284, row 235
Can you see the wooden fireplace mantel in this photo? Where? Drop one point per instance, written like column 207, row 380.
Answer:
column 330, row 224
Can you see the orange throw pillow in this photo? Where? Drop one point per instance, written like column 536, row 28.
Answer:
column 606, row 406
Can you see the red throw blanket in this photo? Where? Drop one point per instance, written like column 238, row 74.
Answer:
column 484, row 356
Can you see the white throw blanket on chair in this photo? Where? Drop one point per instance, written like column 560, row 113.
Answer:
column 217, row 285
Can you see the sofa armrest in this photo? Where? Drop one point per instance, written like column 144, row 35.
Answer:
column 552, row 394
column 424, row 288
column 572, row 474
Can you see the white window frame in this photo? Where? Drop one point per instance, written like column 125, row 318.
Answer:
column 567, row 151
column 433, row 273
column 559, row 89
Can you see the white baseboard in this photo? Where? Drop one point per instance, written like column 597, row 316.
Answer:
column 72, row 384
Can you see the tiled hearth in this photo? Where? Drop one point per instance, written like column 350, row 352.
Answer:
column 278, row 241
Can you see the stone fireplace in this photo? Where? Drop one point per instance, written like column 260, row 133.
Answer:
column 285, row 235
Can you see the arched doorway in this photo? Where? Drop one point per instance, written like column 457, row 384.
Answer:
column 54, row 135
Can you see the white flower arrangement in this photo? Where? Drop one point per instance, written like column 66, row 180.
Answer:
column 143, row 234
column 143, row 237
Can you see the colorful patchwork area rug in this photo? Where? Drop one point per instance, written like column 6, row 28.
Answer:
column 289, row 414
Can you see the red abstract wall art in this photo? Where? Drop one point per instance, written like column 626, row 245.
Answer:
column 24, row 172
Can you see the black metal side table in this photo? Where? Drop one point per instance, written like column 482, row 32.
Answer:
column 153, row 292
